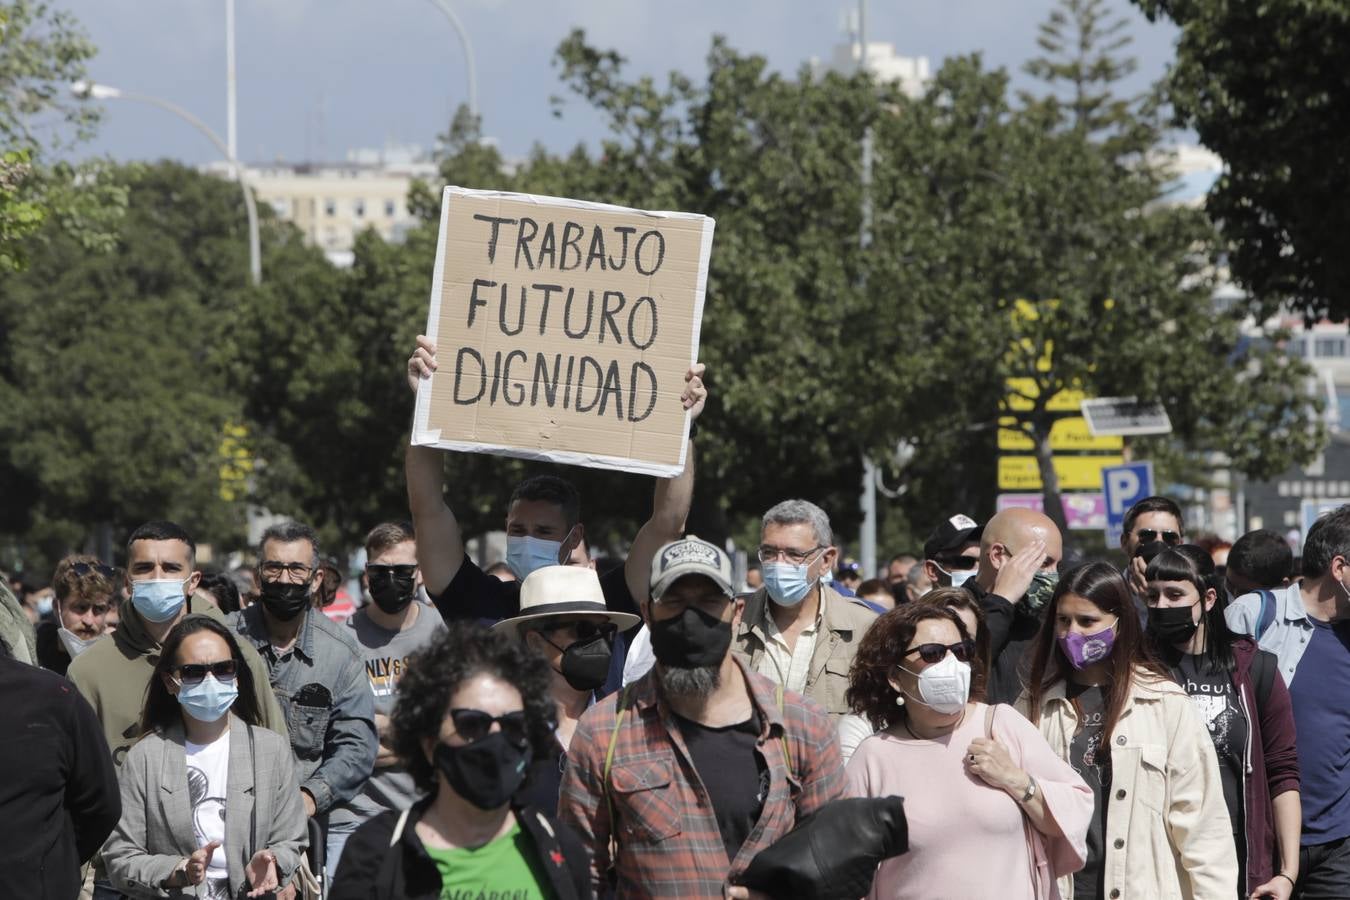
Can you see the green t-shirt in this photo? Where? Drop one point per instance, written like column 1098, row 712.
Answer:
column 500, row 870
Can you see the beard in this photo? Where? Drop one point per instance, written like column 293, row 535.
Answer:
column 699, row 682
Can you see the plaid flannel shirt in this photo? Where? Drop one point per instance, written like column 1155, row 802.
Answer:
column 667, row 839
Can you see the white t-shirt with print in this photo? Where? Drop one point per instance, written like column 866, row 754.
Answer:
column 208, row 775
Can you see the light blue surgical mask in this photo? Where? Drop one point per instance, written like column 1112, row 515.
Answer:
column 524, row 554
column 158, row 599
column 209, row 700
column 44, row 606
column 787, row 584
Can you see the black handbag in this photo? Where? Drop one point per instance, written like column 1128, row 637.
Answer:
column 833, row 853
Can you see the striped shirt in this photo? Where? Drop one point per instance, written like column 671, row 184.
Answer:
column 665, row 830
column 788, row 667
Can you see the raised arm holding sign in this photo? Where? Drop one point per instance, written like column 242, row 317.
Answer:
column 562, row 331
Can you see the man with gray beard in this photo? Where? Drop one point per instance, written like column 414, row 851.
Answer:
column 690, row 769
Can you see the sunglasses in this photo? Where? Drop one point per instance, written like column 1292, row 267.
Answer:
column 964, row 651
column 958, row 563
column 195, row 673
column 83, row 569
column 586, row 630
column 474, row 725
column 1147, row 535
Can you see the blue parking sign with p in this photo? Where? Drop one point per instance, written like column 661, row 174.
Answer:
column 1122, row 487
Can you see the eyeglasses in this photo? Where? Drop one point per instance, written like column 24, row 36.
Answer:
column 585, row 630
column 82, row 569
column 1146, row 535
column 964, row 651
column 297, row 571
column 769, row 554
column 474, row 724
column 402, row 571
column 195, row 673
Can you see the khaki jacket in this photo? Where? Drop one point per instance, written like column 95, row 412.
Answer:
column 843, row 623
column 1168, row 835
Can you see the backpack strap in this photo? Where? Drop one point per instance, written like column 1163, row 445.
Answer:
column 1266, row 618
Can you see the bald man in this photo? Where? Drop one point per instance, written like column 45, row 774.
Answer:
column 1020, row 552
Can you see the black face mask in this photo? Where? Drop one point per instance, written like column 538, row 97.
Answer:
column 284, row 599
column 1171, row 625
column 487, row 772
column 391, row 589
column 585, row 663
column 691, row 640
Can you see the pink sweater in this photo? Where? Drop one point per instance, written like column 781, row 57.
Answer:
column 966, row 840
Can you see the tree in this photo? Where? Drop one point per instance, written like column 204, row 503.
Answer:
column 1263, row 86
column 112, row 369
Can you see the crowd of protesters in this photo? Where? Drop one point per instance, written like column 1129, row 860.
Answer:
column 547, row 728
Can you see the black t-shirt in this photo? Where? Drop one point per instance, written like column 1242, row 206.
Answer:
column 1091, row 759
column 474, row 594
column 1217, row 702
column 734, row 774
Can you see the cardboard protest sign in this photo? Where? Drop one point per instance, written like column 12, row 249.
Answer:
column 563, row 330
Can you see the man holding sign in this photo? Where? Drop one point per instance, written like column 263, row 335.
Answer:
column 563, row 331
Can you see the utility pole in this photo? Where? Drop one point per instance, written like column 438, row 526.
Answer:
column 867, row 541
column 231, row 98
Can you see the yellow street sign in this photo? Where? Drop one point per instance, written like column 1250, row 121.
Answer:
column 1065, row 434
column 1022, row 392
column 1076, row 473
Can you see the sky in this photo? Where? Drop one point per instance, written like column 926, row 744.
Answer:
column 317, row 78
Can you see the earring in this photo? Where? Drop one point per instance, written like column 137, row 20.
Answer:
column 899, row 699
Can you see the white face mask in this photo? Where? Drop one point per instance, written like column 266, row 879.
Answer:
column 74, row 644
column 944, row 687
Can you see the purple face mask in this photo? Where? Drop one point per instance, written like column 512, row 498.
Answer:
column 1082, row 650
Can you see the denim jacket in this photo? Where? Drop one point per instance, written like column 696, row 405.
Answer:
column 1289, row 632
column 325, row 696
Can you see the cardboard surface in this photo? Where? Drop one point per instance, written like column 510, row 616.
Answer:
column 563, row 330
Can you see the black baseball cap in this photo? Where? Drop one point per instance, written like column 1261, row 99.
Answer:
column 954, row 532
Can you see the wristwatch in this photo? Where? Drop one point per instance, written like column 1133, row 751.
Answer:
column 1031, row 790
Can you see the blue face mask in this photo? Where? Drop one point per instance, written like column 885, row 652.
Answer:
column 524, row 554
column 158, row 599
column 209, row 700
column 958, row 576
column 787, row 584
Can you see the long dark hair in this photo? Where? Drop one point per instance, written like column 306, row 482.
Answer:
column 1194, row 566
column 1100, row 584
column 162, row 708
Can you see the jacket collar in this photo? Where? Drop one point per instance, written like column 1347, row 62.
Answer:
column 1146, row 690
column 829, row 615
column 1292, row 602
column 256, row 627
column 133, row 636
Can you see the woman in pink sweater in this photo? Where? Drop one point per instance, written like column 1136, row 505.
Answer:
column 992, row 810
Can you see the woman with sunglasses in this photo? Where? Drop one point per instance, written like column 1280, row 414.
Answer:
column 210, row 803
column 1243, row 700
column 979, row 782
column 1106, row 705
column 473, row 709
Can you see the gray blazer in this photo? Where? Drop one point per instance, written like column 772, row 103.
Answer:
column 156, row 833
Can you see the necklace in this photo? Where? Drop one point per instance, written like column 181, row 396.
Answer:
column 904, row 723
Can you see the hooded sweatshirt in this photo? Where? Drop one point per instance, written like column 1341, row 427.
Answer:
column 114, row 673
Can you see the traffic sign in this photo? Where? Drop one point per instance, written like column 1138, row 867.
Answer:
column 1076, row 473
column 1069, row 433
column 1125, row 415
column 1082, row 512
column 1124, row 486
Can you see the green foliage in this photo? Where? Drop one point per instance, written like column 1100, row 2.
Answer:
column 19, row 217
column 42, row 51
column 112, row 367
column 1264, row 87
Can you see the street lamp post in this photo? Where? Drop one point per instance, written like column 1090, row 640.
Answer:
column 444, row 7
column 93, row 91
